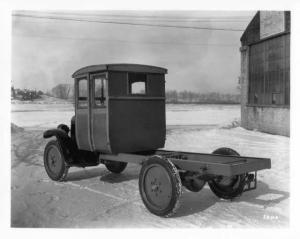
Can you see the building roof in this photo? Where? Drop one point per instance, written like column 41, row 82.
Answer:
column 252, row 34
column 120, row 67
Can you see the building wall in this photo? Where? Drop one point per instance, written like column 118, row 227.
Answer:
column 244, row 84
column 273, row 120
column 269, row 119
column 269, row 71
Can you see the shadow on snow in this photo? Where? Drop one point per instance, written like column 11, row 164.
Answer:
column 191, row 203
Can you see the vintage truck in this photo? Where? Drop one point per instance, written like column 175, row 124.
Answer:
column 120, row 118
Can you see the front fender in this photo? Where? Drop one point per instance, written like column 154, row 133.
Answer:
column 55, row 132
column 67, row 145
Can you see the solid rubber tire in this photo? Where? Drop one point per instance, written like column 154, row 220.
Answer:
column 229, row 193
column 175, row 181
column 62, row 174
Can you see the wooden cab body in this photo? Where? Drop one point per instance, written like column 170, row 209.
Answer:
column 120, row 108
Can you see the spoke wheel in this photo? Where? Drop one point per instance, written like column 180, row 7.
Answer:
column 54, row 161
column 160, row 186
column 115, row 167
column 227, row 187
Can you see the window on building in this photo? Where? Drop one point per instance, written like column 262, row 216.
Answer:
column 83, row 93
column 137, row 83
column 269, row 67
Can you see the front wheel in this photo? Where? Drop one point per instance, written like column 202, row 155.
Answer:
column 227, row 187
column 54, row 161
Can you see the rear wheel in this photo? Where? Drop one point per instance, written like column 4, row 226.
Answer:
column 227, row 187
column 115, row 166
column 160, row 186
column 54, row 161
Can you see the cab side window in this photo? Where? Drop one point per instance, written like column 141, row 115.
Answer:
column 100, row 91
column 83, row 93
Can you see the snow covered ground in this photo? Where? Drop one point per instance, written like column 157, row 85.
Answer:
column 50, row 115
column 93, row 197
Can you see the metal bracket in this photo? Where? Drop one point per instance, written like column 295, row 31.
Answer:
column 250, row 181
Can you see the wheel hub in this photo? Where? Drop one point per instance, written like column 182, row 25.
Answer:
column 54, row 160
column 155, row 186
column 227, row 181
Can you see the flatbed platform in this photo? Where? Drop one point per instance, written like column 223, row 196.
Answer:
column 207, row 164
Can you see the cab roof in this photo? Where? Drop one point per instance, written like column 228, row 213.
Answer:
column 120, row 67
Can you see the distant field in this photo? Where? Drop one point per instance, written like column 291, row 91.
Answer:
column 47, row 114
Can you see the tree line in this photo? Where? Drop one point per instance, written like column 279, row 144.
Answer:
column 25, row 94
column 66, row 91
column 173, row 96
column 61, row 91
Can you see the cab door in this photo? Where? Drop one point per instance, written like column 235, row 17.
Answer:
column 98, row 118
column 82, row 112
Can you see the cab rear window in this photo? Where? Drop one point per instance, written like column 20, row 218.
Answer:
column 137, row 83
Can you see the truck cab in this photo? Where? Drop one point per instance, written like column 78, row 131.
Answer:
column 120, row 108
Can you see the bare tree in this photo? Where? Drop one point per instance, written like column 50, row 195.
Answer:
column 61, row 91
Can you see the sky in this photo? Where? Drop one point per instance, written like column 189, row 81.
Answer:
column 47, row 47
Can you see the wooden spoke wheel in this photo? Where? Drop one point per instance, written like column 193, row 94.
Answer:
column 54, row 161
column 115, row 167
column 227, row 187
column 160, row 186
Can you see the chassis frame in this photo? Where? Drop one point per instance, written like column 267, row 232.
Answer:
column 206, row 164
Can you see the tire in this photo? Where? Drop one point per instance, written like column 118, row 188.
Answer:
column 115, row 167
column 160, row 186
column 227, row 187
column 54, row 161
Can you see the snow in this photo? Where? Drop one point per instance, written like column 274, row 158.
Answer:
column 42, row 115
column 50, row 115
column 202, row 115
column 93, row 197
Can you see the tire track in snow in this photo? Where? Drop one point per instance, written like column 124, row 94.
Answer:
column 75, row 185
column 124, row 202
